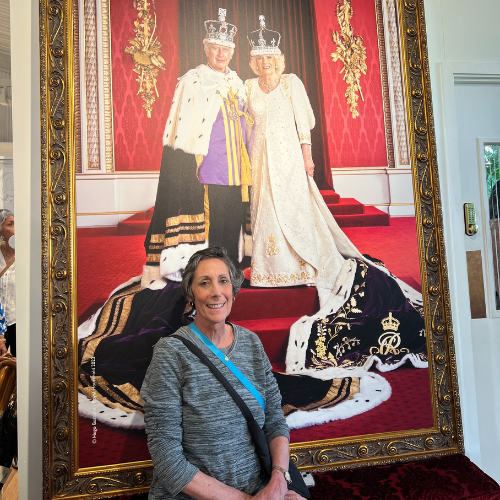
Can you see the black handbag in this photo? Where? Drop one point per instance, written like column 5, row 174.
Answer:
column 259, row 438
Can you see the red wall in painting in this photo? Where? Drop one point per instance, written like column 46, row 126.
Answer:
column 138, row 139
column 358, row 142
column 352, row 142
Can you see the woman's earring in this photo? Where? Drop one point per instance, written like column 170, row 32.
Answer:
column 2, row 238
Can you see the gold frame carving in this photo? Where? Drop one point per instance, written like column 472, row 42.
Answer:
column 385, row 85
column 62, row 476
column 91, row 85
column 106, row 77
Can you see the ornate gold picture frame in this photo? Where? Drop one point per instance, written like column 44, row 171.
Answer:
column 62, row 159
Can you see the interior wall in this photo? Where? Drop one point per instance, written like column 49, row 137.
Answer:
column 26, row 133
column 455, row 33
column 461, row 40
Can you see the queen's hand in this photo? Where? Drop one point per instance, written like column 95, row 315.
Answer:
column 308, row 161
column 309, row 164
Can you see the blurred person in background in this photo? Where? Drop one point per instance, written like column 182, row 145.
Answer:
column 8, row 281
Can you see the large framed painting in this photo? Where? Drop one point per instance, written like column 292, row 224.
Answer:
column 349, row 298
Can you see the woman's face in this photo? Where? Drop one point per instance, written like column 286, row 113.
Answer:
column 8, row 228
column 266, row 65
column 212, row 292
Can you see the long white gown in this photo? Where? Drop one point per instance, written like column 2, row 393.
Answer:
column 292, row 242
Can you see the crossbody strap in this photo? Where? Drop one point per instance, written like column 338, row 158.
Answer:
column 215, row 350
column 7, row 267
column 203, row 357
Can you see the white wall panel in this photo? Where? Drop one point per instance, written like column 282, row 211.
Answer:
column 106, row 199
column 460, row 36
column 388, row 189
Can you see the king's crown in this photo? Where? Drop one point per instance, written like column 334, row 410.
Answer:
column 220, row 32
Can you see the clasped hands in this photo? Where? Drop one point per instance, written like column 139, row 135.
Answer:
column 276, row 489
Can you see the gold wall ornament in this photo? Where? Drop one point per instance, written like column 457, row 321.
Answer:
column 145, row 51
column 352, row 53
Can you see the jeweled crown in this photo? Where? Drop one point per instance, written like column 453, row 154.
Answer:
column 220, row 32
column 390, row 323
column 264, row 41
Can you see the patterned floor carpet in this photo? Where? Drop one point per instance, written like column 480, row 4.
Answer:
column 452, row 477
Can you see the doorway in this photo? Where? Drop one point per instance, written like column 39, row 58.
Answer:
column 477, row 107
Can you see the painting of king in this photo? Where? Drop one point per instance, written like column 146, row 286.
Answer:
column 239, row 169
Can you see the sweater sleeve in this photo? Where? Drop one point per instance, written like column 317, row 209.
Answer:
column 275, row 424
column 162, row 394
column 302, row 110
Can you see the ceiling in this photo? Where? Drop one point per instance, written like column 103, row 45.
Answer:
column 4, row 36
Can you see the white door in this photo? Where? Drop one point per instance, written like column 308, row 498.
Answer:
column 478, row 124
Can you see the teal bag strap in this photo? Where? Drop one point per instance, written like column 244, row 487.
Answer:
column 247, row 384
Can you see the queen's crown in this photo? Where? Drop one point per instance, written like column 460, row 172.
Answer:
column 264, row 41
column 220, row 32
column 390, row 323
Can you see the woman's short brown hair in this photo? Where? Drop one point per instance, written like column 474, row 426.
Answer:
column 215, row 252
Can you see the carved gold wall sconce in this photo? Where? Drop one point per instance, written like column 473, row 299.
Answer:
column 145, row 51
column 351, row 52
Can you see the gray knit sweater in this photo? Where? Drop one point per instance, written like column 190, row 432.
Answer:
column 194, row 424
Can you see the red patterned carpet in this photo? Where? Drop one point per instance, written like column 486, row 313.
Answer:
column 452, row 477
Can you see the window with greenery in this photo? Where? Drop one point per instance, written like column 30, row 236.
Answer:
column 493, row 186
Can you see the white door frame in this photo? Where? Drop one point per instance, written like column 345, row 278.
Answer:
column 452, row 205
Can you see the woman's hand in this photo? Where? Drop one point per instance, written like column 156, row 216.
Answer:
column 308, row 161
column 276, row 489
column 291, row 495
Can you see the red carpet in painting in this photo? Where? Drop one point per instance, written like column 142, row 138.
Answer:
column 106, row 260
column 408, row 408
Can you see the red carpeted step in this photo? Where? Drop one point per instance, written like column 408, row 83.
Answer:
column 93, row 232
column 133, row 227
column 273, row 334
column 348, row 212
column 329, row 196
column 135, row 224
column 371, row 217
column 346, row 206
column 263, row 303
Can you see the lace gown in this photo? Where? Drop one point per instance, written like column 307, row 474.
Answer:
column 292, row 242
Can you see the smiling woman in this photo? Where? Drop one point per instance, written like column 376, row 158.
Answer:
column 210, row 284
column 184, row 406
